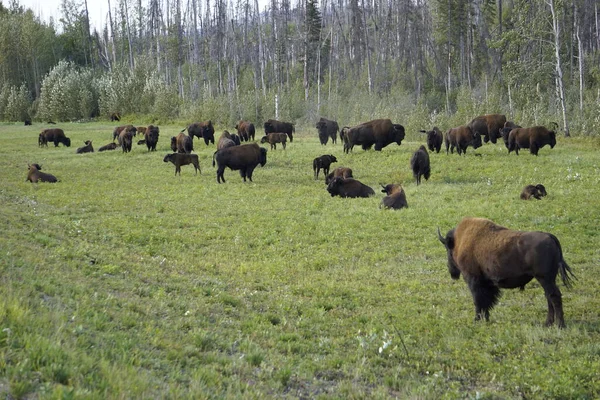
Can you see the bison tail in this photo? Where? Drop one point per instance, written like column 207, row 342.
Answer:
column 566, row 274
column 214, row 154
column 183, row 130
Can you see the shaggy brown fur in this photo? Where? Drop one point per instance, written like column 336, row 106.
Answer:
column 533, row 138
column 274, row 138
column 203, row 130
column 396, row 198
column 245, row 130
column 273, row 125
column 141, row 129
column 419, row 164
column 226, row 140
column 341, row 172
column 183, row 143
column 244, row 158
column 54, row 135
column 326, row 129
column 488, row 126
column 435, row 137
column 34, row 175
column 126, row 139
column 349, row 188
column 127, row 128
column 110, row 146
column 151, row 134
column 536, row 191
column 379, row 132
column 323, row 162
column 461, row 138
column 179, row 159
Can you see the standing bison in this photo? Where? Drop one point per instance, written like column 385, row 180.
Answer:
column 419, row 164
column 203, row 130
column 126, row 140
column 488, row 126
column 245, row 130
column 504, row 132
column 530, row 138
column 396, row 198
column 461, row 138
column 151, row 134
column 326, row 129
column 435, row 137
column 127, row 128
column 273, row 138
column 491, row 257
column 323, row 162
column 244, row 158
column 379, row 132
column 54, row 135
column 273, row 125
column 179, row 159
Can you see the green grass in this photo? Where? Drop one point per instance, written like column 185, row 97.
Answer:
column 125, row 281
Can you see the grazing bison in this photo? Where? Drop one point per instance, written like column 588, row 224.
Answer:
column 327, row 129
column 227, row 140
column 244, row 158
column 126, row 140
column 323, row 162
column 179, row 159
column 35, row 175
column 127, row 128
column 530, row 138
column 341, row 172
column 488, row 126
column 202, row 130
column 245, row 130
column 88, row 148
column 151, row 134
column 396, row 198
column 141, row 142
column 110, row 146
column 115, row 117
column 141, row 129
column 461, row 138
column 273, row 125
column 492, row 257
column 182, row 143
column 27, row 121
column 419, row 163
column 42, row 140
column 349, row 188
column 435, row 137
column 379, row 132
column 536, row 191
column 274, row 138
column 504, row 132
column 54, row 135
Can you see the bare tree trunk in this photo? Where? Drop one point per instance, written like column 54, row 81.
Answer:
column 581, row 55
column 112, row 36
column 126, row 9
column 559, row 74
column 368, row 52
column 260, row 57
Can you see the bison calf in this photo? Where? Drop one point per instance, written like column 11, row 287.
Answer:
column 349, row 188
column 538, row 191
column 323, row 162
column 34, row 175
column 419, row 163
column 274, row 138
column 110, row 146
column 179, row 159
column 88, row 148
column 396, row 198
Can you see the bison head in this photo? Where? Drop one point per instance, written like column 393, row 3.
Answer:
column 552, row 136
column 398, row 133
column 173, row 143
column 541, row 190
column 236, row 139
column 334, row 186
column 269, row 127
column 168, row 157
column 476, row 141
column 448, row 243
column 67, row 142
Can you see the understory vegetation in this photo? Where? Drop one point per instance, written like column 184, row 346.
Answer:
column 123, row 280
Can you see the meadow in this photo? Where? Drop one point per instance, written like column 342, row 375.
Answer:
column 125, row 281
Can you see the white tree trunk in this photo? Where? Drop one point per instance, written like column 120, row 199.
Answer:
column 558, row 65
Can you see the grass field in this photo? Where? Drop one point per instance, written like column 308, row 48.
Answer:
column 125, row 281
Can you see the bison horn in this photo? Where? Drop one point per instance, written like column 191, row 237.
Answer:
column 442, row 239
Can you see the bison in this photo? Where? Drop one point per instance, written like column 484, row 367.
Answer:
column 326, row 129
column 536, row 191
column 141, row 129
column 461, row 138
column 110, row 146
column 341, row 172
column 419, row 163
column 227, row 140
column 323, row 162
column 273, row 138
column 504, row 132
column 435, row 137
column 244, row 158
column 379, row 132
column 533, row 138
column 151, row 134
column 202, row 130
column 126, row 140
column 349, row 188
column 27, row 121
column 273, row 125
column 245, row 130
column 182, row 143
column 127, row 128
column 54, row 135
column 488, row 126
column 491, row 257
column 35, row 175
column 115, row 117
column 396, row 198
column 179, row 159
column 88, row 148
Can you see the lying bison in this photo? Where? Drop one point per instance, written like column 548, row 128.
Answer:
column 396, row 198
column 203, row 130
column 244, row 158
column 35, row 175
column 273, row 138
column 179, row 159
column 491, row 257
column 419, row 164
column 151, row 134
column 488, row 126
column 341, row 172
column 273, row 125
column 245, row 130
column 110, row 146
column 379, row 132
column 435, row 137
column 326, row 129
column 349, row 188
column 530, row 138
column 323, row 162
column 88, row 148
column 461, row 138
column 533, row 191
column 53, row 135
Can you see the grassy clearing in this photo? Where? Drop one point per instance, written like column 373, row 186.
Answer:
column 123, row 280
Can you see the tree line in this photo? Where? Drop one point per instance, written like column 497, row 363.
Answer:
column 418, row 62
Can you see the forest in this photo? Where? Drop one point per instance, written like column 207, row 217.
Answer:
column 418, row 62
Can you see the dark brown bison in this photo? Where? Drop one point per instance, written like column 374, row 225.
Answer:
column 461, row 138
column 204, row 130
column 182, row 143
column 115, row 117
column 504, row 132
column 492, row 257
column 88, row 148
column 396, row 198
column 141, row 130
column 126, row 140
column 54, row 135
column 419, row 164
column 151, row 134
column 272, row 125
column 273, row 138
column 530, row 138
column 110, row 146
column 179, row 159
column 349, row 188
column 379, row 132
column 42, row 140
column 127, row 128
column 35, row 175
column 341, row 172
column 435, row 137
column 245, row 130
column 323, row 162
column 227, row 140
column 326, row 129
column 27, row 122
column 536, row 191
column 488, row 126
column 244, row 158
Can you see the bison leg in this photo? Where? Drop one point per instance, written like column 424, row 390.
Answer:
column 283, row 144
column 485, row 296
column 196, row 169
column 533, row 149
column 554, row 298
column 220, row 176
column 243, row 174
column 249, row 172
column 206, row 140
